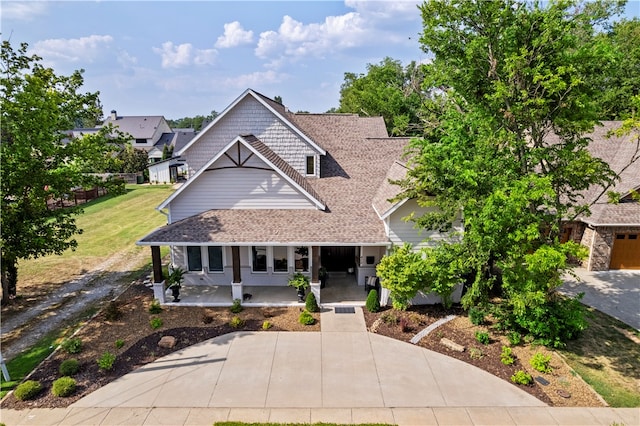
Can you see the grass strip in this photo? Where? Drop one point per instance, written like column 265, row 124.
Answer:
column 20, row 366
column 607, row 360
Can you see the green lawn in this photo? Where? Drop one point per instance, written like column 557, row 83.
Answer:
column 607, row 360
column 110, row 225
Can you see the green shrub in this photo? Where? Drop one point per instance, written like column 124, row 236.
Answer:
column 506, row 356
column 64, row 386
column 236, row 322
column 155, row 307
column 72, row 346
column 373, row 303
column 389, row 318
column 475, row 353
column 306, row 318
column 540, row 362
column 266, row 325
column 514, row 338
column 483, row 337
column 119, row 343
column 311, row 304
column 69, row 367
column 27, row 390
column 522, row 378
column 106, row 361
column 155, row 322
column 236, row 307
column 551, row 324
column 112, row 311
column 477, row 315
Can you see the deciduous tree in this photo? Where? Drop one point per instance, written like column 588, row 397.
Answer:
column 507, row 149
column 39, row 162
column 389, row 90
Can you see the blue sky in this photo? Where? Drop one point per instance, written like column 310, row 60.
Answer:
column 182, row 59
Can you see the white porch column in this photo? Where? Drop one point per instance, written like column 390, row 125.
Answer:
column 159, row 291
column 315, row 289
column 236, row 291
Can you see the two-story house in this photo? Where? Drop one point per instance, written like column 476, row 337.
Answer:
column 271, row 193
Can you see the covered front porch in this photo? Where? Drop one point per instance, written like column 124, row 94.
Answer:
column 341, row 289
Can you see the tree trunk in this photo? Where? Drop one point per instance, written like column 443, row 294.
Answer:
column 9, row 279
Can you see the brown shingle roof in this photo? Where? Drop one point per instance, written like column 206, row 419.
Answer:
column 359, row 154
column 387, row 190
column 277, row 161
column 618, row 152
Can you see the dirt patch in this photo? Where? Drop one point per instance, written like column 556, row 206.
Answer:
column 135, row 343
column 563, row 387
column 43, row 309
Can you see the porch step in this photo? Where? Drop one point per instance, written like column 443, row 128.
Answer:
column 332, row 320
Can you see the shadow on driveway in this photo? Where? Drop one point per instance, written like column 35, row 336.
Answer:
column 616, row 293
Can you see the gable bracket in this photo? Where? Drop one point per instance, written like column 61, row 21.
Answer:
column 246, row 159
column 233, row 160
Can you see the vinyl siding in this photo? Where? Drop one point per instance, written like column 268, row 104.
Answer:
column 237, row 188
column 159, row 174
column 401, row 231
column 250, row 117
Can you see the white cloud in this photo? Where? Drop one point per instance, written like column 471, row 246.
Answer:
column 126, row 60
column 182, row 55
column 295, row 39
column 256, row 79
column 23, row 11
column 73, row 49
column 234, row 35
column 384, row 10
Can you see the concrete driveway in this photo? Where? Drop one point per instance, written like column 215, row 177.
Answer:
column 616, row 293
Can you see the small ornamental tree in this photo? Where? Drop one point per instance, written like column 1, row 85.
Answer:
column 402, row 273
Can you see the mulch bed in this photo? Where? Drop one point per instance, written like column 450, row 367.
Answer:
column 486, row 357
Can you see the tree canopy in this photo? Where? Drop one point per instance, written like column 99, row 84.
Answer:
column 197, row 123
column 389, row 90
column 39, row 160
column 619, row 78
column 514, row 94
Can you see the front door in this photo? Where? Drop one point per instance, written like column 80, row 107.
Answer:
column 338, row 259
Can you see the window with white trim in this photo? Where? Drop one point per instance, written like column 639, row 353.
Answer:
column 280, row 259
column 215, row 258
column 301, row 259
column 259, row 258
column 311, row 165
column 194, row 258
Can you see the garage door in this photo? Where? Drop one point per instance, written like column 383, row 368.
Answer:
column 626, row 251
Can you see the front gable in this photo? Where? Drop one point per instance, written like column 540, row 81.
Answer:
column 252, row 114
column 245, row 174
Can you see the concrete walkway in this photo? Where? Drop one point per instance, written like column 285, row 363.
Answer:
column 342, row 375
column 616, row 293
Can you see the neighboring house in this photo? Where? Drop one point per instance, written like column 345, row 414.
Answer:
column 270, row 193
column 612, row 231
column 169, row 170
column 175, row 140
column 145, row 130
